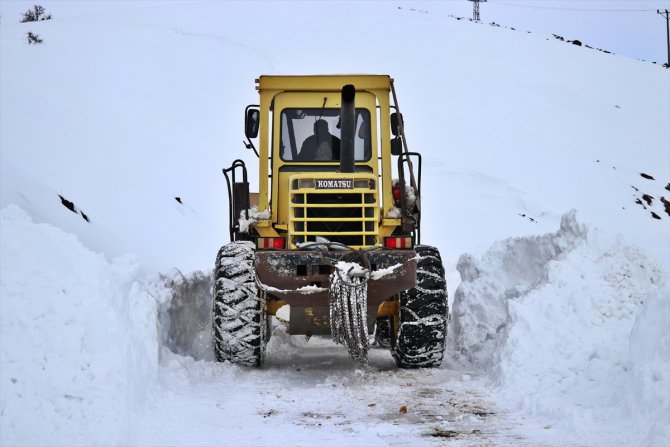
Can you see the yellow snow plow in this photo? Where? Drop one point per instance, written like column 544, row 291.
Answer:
column 334, row 229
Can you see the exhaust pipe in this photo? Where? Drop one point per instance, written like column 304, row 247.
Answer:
column 347, row 129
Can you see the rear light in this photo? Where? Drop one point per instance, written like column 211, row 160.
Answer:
column 396, row 195
column 398, row 242
column 270, row 242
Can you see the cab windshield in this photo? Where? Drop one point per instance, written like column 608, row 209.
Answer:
column 313, row 135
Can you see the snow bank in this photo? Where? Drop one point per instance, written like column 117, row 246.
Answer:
column 78, row 341
column 185, row 313
column 558, row 323
column 646, row 391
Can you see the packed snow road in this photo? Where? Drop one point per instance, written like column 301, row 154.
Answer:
column 311, row 392
column 308, row 390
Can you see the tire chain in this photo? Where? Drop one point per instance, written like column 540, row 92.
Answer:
column 348, row 314
column 424, row 314
column 238, row 310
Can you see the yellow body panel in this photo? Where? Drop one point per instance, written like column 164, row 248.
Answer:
column 309, row 100
column 274, row 305
column 280, row 92
column 363, row 199
column 390, row 308
column 321, row 83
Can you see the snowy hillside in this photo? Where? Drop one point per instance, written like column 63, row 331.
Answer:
column 147, row 107
column 122, row 110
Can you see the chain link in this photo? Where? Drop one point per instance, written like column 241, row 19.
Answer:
column 349, row 313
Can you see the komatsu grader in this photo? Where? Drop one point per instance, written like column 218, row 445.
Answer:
column 333, row 232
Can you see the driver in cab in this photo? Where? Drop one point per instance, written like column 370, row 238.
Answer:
column 322, row 146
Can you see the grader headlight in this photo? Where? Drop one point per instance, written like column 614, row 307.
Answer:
column 307, row 183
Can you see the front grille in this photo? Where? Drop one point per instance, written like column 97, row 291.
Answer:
column 346, row 216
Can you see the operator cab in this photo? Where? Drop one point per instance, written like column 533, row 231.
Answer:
column 313, row 135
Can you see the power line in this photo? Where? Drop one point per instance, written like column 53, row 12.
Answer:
column 558, row 8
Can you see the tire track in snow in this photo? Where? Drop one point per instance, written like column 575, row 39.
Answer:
column 311, row 390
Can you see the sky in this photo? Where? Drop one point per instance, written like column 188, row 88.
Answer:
column 628, row 28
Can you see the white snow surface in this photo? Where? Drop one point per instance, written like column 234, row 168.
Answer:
column 247, row 219
column 557, row 338
column 559, row 320
column 78, row 339
column 352, row 269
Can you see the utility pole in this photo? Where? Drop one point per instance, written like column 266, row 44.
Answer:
column 667, row 31
column 475, row 9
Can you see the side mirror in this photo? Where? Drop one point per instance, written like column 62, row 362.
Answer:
column 396, row 146
column 395, row 128
column 251, row 123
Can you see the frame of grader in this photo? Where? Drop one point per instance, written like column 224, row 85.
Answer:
column 334, row 229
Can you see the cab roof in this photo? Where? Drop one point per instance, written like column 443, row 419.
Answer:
column 321, row 83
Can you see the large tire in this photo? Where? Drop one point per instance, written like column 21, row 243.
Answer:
column 239, row 308
column 424, row 310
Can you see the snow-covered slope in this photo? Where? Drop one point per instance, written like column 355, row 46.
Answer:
column 122, row 111
column 550, row 318
column 124, row 108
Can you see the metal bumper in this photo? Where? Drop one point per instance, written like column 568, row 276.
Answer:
column 283, row 273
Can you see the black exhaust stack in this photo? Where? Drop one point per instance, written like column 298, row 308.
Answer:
column 347, row 128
